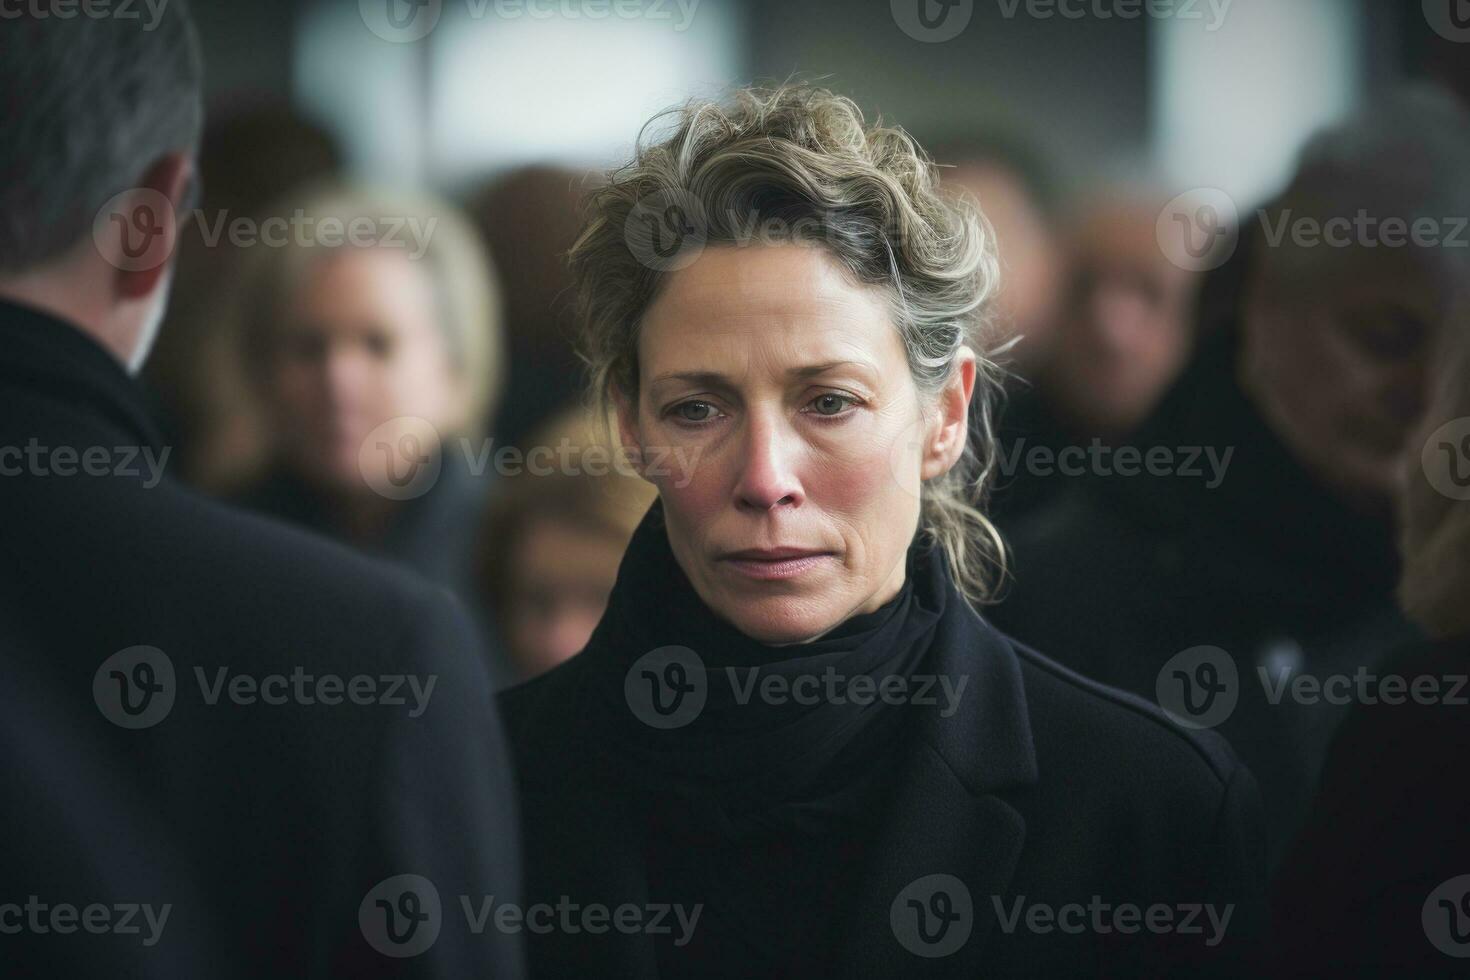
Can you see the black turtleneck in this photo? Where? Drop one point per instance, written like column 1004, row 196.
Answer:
column 760, row 807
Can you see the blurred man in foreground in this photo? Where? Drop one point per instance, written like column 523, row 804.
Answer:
column 233, row 750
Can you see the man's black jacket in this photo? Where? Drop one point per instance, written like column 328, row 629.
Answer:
column 212, row 712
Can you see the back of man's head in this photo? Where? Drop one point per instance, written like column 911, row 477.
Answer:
column 91, row 103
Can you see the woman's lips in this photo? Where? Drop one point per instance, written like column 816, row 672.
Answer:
column 776, row 568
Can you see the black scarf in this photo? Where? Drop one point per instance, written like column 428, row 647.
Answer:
column 746, row 761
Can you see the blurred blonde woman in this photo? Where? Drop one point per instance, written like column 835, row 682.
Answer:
column 370, row 332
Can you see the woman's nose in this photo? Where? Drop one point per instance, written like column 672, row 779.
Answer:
column 344, row 375
column 767, row 466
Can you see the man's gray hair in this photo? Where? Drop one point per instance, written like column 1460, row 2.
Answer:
column 1406, row 157
column 87, row 104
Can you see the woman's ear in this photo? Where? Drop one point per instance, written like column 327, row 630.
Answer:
column 947, row 442
column 626, row 410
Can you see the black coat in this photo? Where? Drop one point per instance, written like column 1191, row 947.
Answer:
column 435, row 535
column 1120, row 574
column 1378, row 883
column 1042, row 788
column 263, row 826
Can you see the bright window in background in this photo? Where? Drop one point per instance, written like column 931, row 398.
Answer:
column 507, row 90
column 1232, row 106
column 366, row 89
column 498, row 83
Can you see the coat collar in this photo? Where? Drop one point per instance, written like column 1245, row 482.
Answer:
column 948, row 816
column 52, row 357
column 951, row 839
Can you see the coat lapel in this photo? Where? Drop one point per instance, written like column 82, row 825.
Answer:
column 950, row 842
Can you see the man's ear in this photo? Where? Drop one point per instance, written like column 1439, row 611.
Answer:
column 947, row 442
column 143, row 225
column 628, row 432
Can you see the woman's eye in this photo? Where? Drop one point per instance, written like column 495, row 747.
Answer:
column 683, row 411
column 831, row 403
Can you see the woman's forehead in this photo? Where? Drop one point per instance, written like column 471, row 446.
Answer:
column 787, row 306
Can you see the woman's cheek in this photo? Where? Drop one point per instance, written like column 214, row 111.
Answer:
column 688, row 485
column 852, row 483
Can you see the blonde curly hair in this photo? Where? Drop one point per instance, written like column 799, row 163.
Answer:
column 803, row 161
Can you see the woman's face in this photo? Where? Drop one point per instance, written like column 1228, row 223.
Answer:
column 359, row 345
column 785, row 390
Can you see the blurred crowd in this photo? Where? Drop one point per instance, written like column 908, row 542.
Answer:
column 1212, row 461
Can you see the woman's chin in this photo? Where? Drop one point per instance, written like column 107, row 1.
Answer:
column 778, row 620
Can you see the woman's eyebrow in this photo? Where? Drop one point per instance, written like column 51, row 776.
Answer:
column 715, row 378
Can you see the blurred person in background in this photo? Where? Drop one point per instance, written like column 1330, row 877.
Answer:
column 1013, row 186
column 552, row 542
column 253, row 152
column 1377, row 882
column 375, row 365
column 1126, row 322
column 530, row 217
column 1122, row 330
column 186, row 794
column 1265, row 530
